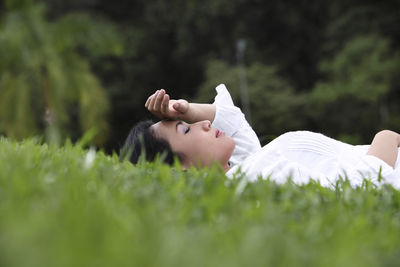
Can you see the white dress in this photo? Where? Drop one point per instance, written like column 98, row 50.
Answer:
column 300, row 155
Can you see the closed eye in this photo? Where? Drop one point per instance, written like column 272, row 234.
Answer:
column 180, row 123
column 187, row 130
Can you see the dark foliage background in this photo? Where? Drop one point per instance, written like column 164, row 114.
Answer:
column 324, row 66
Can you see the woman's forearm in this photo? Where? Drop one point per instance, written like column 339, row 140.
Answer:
column 385, row 146
column 199, row 112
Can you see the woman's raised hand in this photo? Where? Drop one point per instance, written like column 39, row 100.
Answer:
column 162, row 107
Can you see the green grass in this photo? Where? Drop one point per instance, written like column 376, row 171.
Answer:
column 60, row 208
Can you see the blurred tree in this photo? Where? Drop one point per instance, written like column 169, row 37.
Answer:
column 364, row 68
column 357, row 82
column 360, row 17
column 169, row 42
column 45, row 80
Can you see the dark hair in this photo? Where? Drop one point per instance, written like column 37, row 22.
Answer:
column 142, row 141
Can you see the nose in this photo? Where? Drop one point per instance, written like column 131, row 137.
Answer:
column 205, row 125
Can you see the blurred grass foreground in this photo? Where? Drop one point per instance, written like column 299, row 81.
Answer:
column 67, row 206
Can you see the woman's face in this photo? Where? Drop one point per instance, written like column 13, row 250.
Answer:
column 199, row 144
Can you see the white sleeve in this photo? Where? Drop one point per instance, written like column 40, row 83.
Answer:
column 231, row 120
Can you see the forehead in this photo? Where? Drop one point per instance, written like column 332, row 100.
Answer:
column 164, row 127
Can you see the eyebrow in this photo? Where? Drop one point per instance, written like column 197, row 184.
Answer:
column 177, row 124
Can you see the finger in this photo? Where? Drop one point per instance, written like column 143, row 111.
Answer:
column 148, row 101
column 176, row 106
column 165, row 104
column 184, row 106
column 159, row 97
column 152, row 101
column 181, row 106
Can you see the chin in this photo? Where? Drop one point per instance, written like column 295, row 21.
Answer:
column 229, row 151
column 233, row 144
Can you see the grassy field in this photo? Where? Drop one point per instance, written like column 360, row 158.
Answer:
column 74, row 207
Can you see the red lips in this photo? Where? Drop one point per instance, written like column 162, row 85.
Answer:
column 218, row 133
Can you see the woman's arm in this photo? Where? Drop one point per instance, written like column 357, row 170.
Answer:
column 163, row 107
column 385, row 146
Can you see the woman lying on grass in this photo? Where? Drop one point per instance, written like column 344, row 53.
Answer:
column 202, row 134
